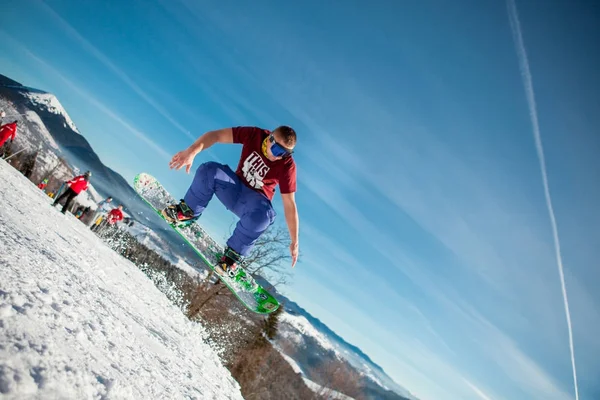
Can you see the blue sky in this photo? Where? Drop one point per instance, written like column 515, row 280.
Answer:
column 425, row 231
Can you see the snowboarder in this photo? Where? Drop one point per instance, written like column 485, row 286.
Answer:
column 265, row 162
column 76, row 185
column 8, row 131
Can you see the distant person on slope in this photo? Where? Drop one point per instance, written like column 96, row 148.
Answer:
column 8, row 131
column 76, row 185
column 82, row 212
column 266, row 161
column 103, row 207
column 115, row 215
column 42, row 185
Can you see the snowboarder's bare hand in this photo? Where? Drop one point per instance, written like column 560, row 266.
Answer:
column 294, row 253
column 181, row 159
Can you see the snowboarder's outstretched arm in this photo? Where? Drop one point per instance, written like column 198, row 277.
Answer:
column 291, row 217
column 186, row 157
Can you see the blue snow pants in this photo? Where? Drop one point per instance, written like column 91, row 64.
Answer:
column 255, row 210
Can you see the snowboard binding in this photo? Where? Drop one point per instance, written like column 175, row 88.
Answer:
column 179, row 215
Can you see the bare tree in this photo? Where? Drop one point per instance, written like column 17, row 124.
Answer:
column 267, row 259
column 269, row 256
column 18, row 159
column 6, row 149
column 29, row 165
column 50, row 170
column 203, row 294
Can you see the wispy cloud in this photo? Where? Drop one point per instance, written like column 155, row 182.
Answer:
column 498, row 346
column 85, row 95
column 528, row 83
column 92, row 50
column 521, row 368
column 222, row 94
column 477, row 390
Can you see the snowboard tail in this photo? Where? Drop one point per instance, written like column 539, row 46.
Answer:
column 252, row 295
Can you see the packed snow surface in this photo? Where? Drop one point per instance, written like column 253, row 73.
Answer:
column 78, row 321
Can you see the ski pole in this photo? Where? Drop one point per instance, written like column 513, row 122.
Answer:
column 14, row 154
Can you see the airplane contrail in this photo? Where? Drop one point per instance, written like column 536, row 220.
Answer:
column 527, row 81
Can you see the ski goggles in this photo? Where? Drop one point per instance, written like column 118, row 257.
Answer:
column 278, row 150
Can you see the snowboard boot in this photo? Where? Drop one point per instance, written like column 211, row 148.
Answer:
column 228, row 263
column 179, row 215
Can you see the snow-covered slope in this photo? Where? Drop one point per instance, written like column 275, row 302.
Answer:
column 50, row 103
column 36, row 121
column 77, row 321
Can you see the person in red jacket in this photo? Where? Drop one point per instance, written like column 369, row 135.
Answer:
column 8, row 131
column 115, row 215
column 42, row 185
column 76, row 185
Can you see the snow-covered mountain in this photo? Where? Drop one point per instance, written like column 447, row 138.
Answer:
column 51, row 104
column 78, row 321
column 309, row 342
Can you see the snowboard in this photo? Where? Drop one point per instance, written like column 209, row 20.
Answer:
column 247, row 290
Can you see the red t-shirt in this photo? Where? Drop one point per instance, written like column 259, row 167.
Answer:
column 257, row 171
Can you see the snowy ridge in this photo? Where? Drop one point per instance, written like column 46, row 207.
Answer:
column 78, row 321
column 36, row 121
column 304, row 327
column 315, row 387
column 51, row 103
column 292, row 363
column 297, row 328
column 369, row 371
column 333, row 395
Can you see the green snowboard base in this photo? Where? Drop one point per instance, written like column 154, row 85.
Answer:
column 242, row 285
